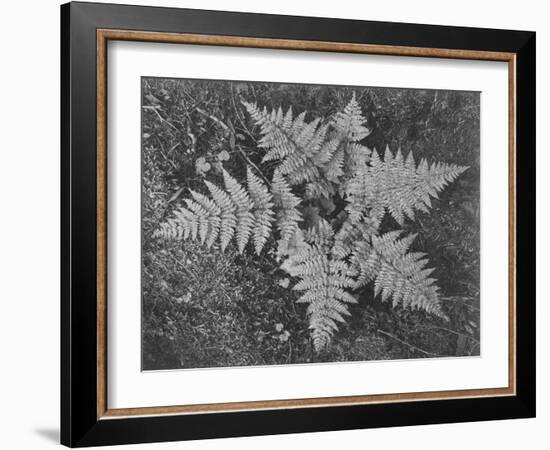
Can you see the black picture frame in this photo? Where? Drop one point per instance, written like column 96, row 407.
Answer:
column 80, row 425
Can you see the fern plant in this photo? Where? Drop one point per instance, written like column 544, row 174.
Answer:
column 331, row 253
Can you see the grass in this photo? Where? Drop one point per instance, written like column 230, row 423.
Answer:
column 205, row 308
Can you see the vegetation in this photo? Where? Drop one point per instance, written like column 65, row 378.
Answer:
column 315, row 203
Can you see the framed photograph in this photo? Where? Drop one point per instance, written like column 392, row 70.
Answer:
column 276, row 224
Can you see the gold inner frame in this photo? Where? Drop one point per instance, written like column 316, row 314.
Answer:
column 104, row 35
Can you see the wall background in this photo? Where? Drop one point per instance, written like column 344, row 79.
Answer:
column 29, row 224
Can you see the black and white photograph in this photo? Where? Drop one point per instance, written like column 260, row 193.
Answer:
column 298, row 223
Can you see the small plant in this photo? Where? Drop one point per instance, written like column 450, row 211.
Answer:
column 323, row 209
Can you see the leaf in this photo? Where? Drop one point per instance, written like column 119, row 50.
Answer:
column 152, row 99
column 223, row 155
column 184, row 298
column 284, row 282
column 283, row 337
column 175, row 195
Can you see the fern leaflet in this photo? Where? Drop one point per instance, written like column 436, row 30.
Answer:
column 324, row 281
column 231, row 213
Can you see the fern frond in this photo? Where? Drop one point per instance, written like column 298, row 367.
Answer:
column 307, row 151
column 334, row 169
column 262, row 210
column 207, row 212
column 300, row 146
column 178, row 227
column 228, row 219
column 321, row 234
column 349, row 155
column 233, row 212
column 276, row 129
column 287, row 215
column 244, row 205
column 402, row 276
column 358, row 157
column 350, row 122
column 356, row 228
column 397, row 186
column 367, row 262
column 302, row 164
column 324, row 281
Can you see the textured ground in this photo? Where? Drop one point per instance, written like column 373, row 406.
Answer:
column 204, row 308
